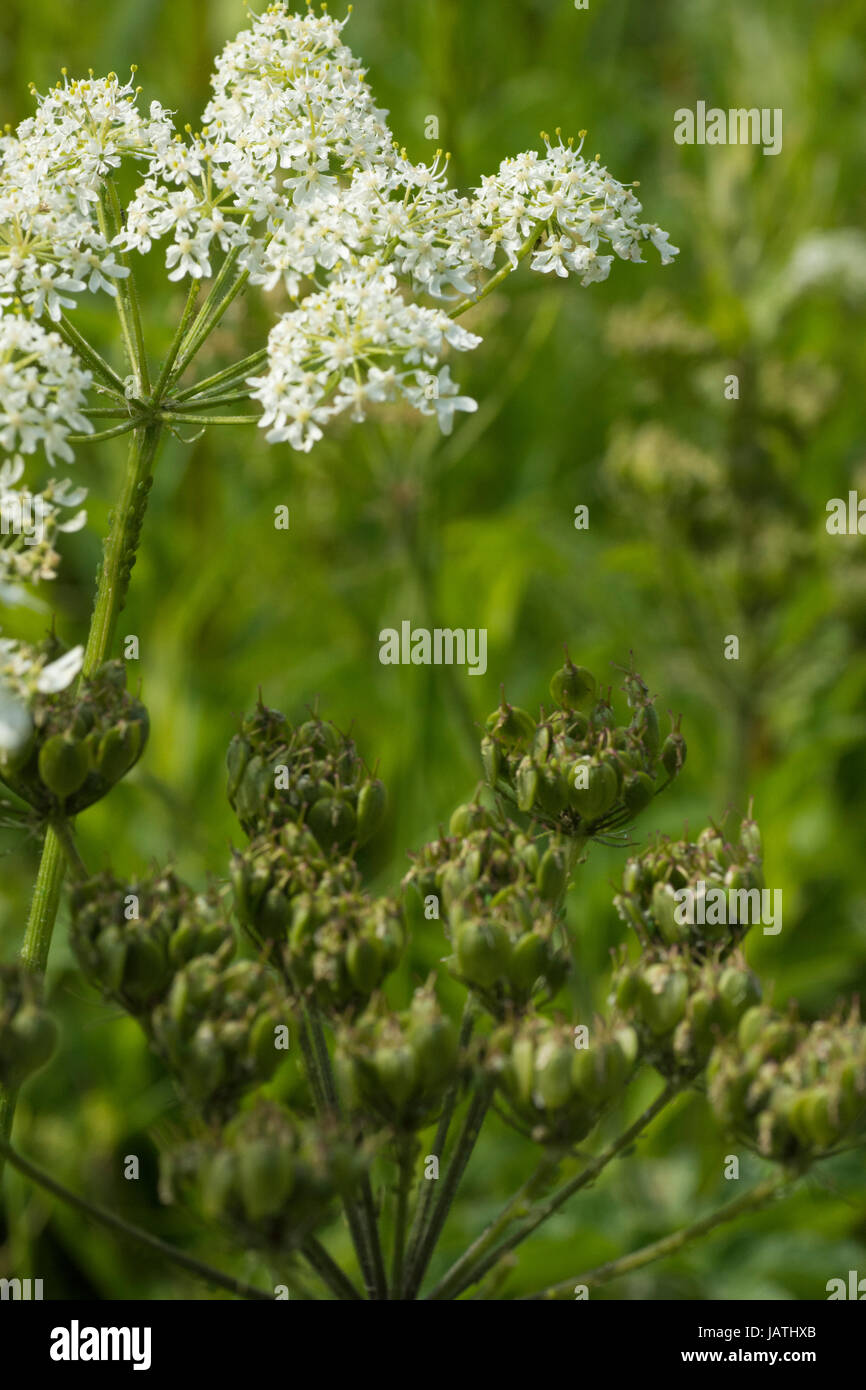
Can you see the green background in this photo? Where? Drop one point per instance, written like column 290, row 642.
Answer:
column 706, row 519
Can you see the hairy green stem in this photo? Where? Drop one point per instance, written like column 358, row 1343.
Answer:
column 481, row 1256
column 126, row 1228
column 74, row 862
column 670, row 1245
column 113, row 583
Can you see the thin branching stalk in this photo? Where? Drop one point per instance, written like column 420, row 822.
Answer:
column 95, row 1212
column 672, row 1244
column 484, row 1254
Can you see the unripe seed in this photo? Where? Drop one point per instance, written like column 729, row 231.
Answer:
column 332, row 821
column 483, row 952
column 637, row 792
column 573, row 687
column 63, row 765
column 372, row 804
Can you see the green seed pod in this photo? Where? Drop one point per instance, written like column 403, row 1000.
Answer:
column 63, row 765
column 646, row 725
column 541, row 742
column 512, row 726
column 552, row 788
column 664, row 908
column 750, row 838
column 238, row 755
column 372, row 805
column 206, row 1066
column 573, row 687
column 266, row 1176
column 552, row 878
column 332, row 821
column 526, row 784
column 553, row 1074
column 262, row 1047
column 491, row 759
column 596, row 798
column 521, row 1068
column 471, row 816
column 117, row 751
column 662, row 998
column 739, row 990
column 673, row 754
column 321, row 736
column 637, row 792
column 396, row 1072
column 483, row 952
column 218, row 1180
column 528, row 961
column 364, row 964
column 434, row 1041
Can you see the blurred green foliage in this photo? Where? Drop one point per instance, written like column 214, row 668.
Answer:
column 706, row 519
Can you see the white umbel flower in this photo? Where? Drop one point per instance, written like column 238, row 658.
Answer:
column 42, row 390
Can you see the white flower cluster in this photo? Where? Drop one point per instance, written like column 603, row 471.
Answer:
column 54, row 242
column 295, row 171
column 296, row 176
column 325, row 357
column 42, row 390
column 29, row 523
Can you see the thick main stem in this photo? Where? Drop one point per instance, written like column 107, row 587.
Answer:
column 113, row 584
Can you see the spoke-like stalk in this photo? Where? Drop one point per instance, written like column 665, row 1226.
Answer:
column 483, row 1254
column 90, row 357
column 670, row 1245
column 425, row 1202
column 210, row 312
column 405, row 1162
column 218, row 379
column 174, row 349
column 478, row 1107
column 329, row 1271
column 496, row 280
column 126, row 1228
column 172, row 416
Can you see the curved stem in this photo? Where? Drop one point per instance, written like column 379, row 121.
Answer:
column 669, row 1245
column 480, row 1257
column 496, row 280
column 126, row 1228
